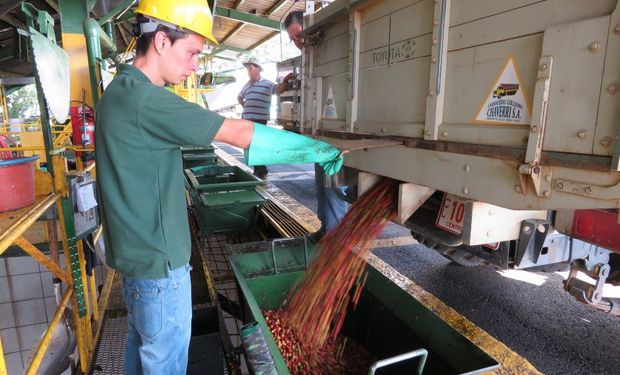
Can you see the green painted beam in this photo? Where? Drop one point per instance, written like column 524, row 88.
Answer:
column 234, row 49
column 72, row 15
column 247, row 18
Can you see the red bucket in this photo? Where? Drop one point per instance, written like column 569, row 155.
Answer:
column 16, row 183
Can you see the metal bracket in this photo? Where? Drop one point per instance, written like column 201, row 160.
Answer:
column 539, row 112
column 589, row 190
column 541, row 177
column 45, row 21
column 582, row 290
column 437, row 79
column 531, row 239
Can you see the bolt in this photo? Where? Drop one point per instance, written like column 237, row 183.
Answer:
column 606, row 141
column 617, row 29
column 383, row 130
column 465, row 190
column 431, row 93
column 544, row 67
column 541, row 228
column 560, row 186
column 527, row 230
column 594, row 46
column 518, row 189
column 467, row 168
column 435, row 23
column 548, row 178
column 445, row 134
column 536, row 170
column 588, row 190
column 612, row 88
column 534, row 129
column 433, row 60
column 546, row 193
column 583, row 133
column 434, row 42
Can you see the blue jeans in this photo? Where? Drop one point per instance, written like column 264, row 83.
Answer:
column 160, row 323
column 330, row 207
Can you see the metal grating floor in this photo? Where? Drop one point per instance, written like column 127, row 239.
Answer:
column 109, row 358
column 215, row 251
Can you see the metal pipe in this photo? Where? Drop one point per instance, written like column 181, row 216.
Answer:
column 14, row 232
column 96, row 38
column 47, row 338
column 402, row 357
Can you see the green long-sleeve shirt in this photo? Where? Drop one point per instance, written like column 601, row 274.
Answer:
column 139, row 130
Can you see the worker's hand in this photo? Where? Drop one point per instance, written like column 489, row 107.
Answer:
column 289, row 77
column 273, row 146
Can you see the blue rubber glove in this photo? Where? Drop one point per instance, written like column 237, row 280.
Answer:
column 273, row 146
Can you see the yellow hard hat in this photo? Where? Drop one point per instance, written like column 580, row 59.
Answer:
column 193, row 15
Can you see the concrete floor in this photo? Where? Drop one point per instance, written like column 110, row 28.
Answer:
column 527, row 311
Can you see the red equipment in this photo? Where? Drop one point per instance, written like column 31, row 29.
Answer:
column 83, row 122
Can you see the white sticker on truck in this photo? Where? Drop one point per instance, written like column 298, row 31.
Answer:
column 329, row 111
column 507, row 101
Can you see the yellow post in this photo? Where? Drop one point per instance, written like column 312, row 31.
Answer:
column 2, row 364
column 47, row 337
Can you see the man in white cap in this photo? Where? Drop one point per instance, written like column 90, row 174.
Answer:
column 255, row 97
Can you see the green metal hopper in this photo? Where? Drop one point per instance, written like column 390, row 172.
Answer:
column 388, row 322
column 198, row 156
column 225, row 199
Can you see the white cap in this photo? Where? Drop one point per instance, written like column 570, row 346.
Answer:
column 254, row 61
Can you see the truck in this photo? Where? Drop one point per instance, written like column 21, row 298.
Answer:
column 506, row 143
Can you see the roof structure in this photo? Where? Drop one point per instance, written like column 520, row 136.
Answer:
column 239, row 25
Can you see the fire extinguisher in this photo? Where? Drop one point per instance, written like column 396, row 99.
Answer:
column 83, row 122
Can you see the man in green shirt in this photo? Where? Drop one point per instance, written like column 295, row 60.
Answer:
column 140, row 128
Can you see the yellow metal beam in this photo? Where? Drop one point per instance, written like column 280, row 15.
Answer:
column 44, row 260
column 12, row 233
column 47, row 337
column 2, row 363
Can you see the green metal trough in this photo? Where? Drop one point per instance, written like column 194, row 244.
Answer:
column 198, row 156
column 225, row 199
column 393, row 326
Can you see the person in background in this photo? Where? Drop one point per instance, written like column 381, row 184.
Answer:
column 255, row 97
column 331, row 207
column 140, row 128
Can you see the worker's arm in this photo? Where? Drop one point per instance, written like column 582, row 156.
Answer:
column 282, row 86
column 273, row 146
column 267, row 146
column 240, row 100
column 236, row 133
